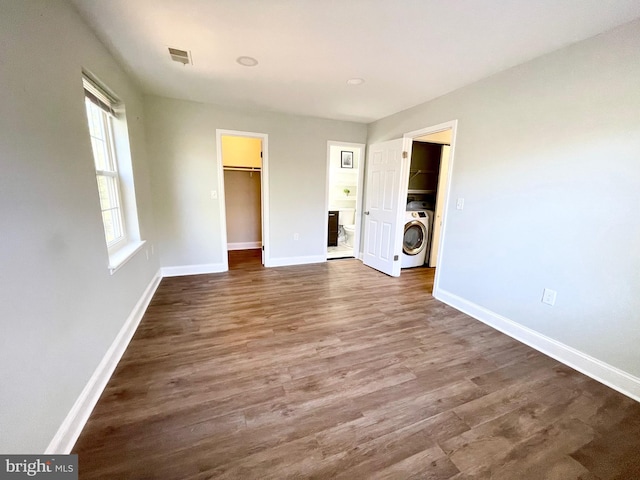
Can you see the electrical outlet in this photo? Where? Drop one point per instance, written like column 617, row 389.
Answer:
column 460, row 204
column 549, row 296
column 296, row 236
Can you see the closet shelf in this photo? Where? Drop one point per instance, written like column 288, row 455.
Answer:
column 415, row 173
column 242, row 169
column 416, row 191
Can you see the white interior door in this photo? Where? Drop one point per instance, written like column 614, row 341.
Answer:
column 382, row 228
column 440, row 199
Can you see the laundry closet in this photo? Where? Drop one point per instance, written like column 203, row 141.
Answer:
column 425, row 199
column 242, row 165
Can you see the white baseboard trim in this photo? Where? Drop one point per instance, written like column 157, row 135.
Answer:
column 244, row 245
column 70, row 429
column 194, row 269
column 287, row 261
column 609, row 375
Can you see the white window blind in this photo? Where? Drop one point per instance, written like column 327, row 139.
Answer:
column 98, row 96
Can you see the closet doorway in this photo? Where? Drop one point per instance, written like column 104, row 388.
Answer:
column 242, row 178
column 443, row 135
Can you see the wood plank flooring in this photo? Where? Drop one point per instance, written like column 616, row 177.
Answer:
column 337, row 371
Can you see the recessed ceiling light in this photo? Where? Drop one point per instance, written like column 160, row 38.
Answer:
column 355, row 81
column 247, row 61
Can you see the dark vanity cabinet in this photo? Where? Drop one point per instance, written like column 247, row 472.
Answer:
column 333, row 228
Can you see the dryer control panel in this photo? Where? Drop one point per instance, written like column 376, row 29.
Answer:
column 419, row 214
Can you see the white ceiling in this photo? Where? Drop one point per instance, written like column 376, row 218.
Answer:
column 408, row 51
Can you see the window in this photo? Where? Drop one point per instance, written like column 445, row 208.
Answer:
column 114, row 175
column 99, row 114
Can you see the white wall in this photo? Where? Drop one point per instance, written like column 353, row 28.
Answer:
column 182, row 145
column 552, row 201
column 242, row 202
column 341, row 178
column 60, row 310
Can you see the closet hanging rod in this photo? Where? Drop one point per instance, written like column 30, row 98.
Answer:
column 418, row 172
column 243, row 169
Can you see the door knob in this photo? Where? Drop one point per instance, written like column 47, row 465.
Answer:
column 366, row 213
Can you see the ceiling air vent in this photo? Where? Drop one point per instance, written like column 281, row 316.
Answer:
column 181, row 56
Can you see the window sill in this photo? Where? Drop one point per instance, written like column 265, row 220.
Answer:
column 123, row 255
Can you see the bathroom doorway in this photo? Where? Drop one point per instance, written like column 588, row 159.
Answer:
column 345, row 169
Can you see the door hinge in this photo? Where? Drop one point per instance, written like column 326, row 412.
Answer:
column 263, row 248
column 405, row 154
column 395, row 258
column 260, row 154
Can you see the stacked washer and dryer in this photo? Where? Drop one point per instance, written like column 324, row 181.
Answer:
column 416, row 241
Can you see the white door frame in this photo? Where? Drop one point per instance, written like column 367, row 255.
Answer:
column 264, row 193
column 408, row 140
column 441, row 192
column 358, row 216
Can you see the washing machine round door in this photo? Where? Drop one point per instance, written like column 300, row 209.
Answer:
column 415, row 237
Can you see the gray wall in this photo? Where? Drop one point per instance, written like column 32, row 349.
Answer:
column 60, row 309
column 242, row 202
column 182, row 148
column 548, row 160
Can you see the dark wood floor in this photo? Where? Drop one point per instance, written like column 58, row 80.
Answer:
column 336, row 371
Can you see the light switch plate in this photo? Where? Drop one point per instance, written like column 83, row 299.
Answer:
column 549, row 296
